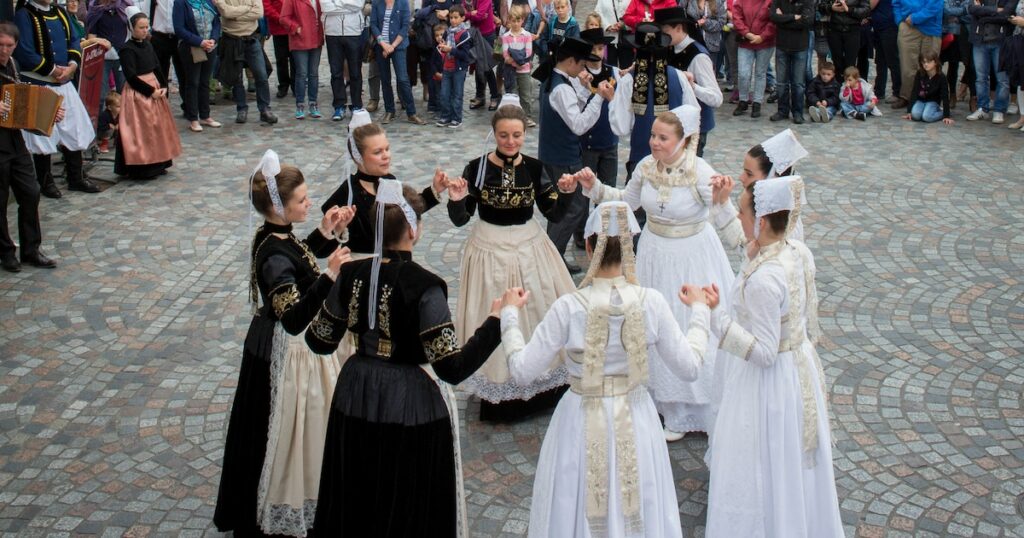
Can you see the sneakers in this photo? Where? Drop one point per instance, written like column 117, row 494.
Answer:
column 314, row 111
column 979, row 114
column 339, row 114
column 798, row 119
column 1012, row 109
column 455, row 125
column 778, row 116
column 268, row 117
column 442, row 123
column 875, row 112
column 300, row 112
column 997, row 117
column 815, row 114
column 860, row 116
column 755, row 110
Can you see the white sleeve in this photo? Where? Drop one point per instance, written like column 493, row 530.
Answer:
column 682, row 353
column 531, row 360
column 565, row 101
column 725, row 217
column 689, row 97
column 630, row 194
column 763, row 298
column 620, row 110
column 706, row 86
column 582, row 92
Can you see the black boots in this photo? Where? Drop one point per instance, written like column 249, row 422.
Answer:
column 755, row 111
column 741, row 109
column 73, row 171
column 47, row 187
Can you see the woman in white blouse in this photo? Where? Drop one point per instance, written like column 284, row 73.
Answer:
column 604, row 467
column 771, row 455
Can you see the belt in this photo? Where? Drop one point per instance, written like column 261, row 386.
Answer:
column 613, row 385
column 675, row 231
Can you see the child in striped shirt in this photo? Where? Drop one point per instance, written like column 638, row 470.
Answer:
column 517, row 49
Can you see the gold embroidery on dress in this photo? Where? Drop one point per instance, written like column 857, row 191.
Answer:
column 282, row 301
column 442, row 346
column 308, row 255
column 507, row 197
column 384, row 346
column 353, row 303
column 322, row 328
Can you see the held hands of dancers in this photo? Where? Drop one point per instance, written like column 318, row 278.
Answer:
column 690, row 294
column 458, row 188
column 440, row 181
column 516, row 297
column 567, row 183
column 721, row 188
column 339, row 257
column 336, row 220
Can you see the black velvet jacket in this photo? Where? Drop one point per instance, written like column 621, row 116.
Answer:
column 507, row 201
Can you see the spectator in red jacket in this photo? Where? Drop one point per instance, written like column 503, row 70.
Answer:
column 279, row 33
column 756, row 34
column 641, row 10
column 305, row 41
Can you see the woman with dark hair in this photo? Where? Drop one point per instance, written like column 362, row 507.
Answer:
column 148, row 136
column 771, row 455
column 392, row 461
column 275, row 438
column 508, row 248
column 609, row 330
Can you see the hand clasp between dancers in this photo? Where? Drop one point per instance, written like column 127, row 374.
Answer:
column 721, row 188
column 516, row 297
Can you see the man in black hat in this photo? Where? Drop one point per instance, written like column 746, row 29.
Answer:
column 689, row 55
column 565, row 116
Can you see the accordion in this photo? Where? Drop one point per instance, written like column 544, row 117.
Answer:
column 33, row 108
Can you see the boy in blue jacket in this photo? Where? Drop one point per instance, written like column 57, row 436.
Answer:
column 455, row 52
column 920, row 23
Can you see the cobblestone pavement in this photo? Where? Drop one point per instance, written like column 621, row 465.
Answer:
column 118, row 368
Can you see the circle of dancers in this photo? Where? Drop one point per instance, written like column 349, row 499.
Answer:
column 345, row 420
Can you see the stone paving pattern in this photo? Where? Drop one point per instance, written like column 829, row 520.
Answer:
column 118, row 368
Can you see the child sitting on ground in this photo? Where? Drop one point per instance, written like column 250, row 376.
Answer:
column 823, row 94
column 106, row 125
column 857, row 98
column 930, row 91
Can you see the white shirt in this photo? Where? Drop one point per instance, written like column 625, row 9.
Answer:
column 343, row 17
column 570, row 102
column 706, row 83
column 163, row 20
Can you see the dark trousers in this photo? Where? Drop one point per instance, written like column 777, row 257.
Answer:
column 560, row 232
column 887, row 61
column 604, row 163
column 791, row 68
column 72, row 167
column 487, row 76
column 844, row 46
column 282, row 59
column 195, row 92
column 342, row 49
column 16, row 175
column 702, row 141
column 166, row 47
column 963, row 41
column 865, row 52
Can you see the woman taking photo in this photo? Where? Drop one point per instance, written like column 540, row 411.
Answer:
column 275, row 439
column 508, row 248
column 392, row 461
column 148, row 136
column 197, row 25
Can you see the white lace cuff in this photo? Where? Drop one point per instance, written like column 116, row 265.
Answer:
column 697, row 334
column 737, row 341
column 595, row 193
column 511, row 337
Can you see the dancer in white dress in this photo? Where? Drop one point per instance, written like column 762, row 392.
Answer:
column 771, row 456
column 604, row 468
column 673, row 185
column 774, row 157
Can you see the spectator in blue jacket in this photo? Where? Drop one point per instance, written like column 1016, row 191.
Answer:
column 197, row 27
column 389, row 26
column 920, row 31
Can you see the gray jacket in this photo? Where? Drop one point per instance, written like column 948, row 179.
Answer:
column 713, row 23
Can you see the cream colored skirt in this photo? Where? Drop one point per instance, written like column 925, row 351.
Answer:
column 301, row 388
column 497, row 258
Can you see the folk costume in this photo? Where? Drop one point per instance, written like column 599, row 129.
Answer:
column 508, row 248
column 771, row 455
column 49, row 40
column 604, row 468
column 275, row 439
column 148, row 139
column 677, row 246
column 392, row 462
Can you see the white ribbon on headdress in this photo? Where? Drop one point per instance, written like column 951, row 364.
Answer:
column 689, row 116
column 509, row 99
column 389, row 191
column 270, row 167
column 360, row 117
column 612, row 219
column 778, row 194
column 783, row 150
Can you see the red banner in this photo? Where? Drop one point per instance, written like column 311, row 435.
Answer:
column 92, row 77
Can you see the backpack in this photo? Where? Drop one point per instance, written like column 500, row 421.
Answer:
column 423, row 27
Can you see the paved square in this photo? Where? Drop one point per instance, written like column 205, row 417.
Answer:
column 117, row 369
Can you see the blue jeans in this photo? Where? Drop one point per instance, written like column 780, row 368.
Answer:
column 755, row 61
column 339, row 50
column 926, row 111
column 809, row 73
column 305, row 74
column 397, row 60
column 849, row 108
column 791, row 82
column 452, row 88
column 108, row 67
column 253, row 50
column 986, row 58
column 770, row 75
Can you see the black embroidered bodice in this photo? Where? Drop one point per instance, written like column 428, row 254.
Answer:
column 509, row 193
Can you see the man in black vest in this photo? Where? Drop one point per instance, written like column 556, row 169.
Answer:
column 689, row 55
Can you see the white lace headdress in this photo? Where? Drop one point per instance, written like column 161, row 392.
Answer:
column 612, row 219
column 779, row 194
column 389, row 191
column 360, row 117
column 784, row 150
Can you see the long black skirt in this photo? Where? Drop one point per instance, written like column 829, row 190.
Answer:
column 389, row 461
column 246, row 444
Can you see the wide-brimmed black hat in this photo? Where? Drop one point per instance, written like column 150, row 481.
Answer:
column 577, row 48
column 596, row 36
column 648, row 36
column 671, row 15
